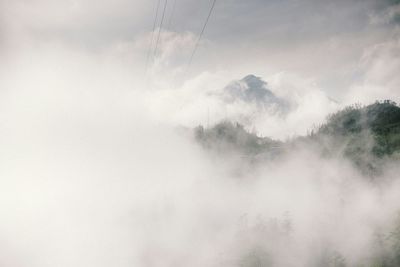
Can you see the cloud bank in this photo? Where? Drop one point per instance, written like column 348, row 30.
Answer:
column 95, row 173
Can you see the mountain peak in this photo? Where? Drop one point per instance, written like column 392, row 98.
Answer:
column 254, row 81
column 252, row 89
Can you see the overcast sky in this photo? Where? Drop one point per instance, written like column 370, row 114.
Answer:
column 348, row 49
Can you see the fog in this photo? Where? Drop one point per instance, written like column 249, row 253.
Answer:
column 99, row 166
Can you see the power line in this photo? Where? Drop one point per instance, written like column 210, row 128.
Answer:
column 152, row 36
column 171, row 16
column 159, row 31
column 201, row 34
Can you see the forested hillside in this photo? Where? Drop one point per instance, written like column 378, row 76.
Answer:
column 366, row 135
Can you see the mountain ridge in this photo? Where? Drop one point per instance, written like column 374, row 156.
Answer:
column 367, row 135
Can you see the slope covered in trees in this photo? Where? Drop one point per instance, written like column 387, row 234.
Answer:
column 366, row 135
column 380, row 120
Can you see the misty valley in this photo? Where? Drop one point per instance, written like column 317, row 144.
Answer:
column 212, row 133
column 363, row 138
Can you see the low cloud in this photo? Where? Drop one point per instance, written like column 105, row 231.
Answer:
column 97, row 170
column 378, row 74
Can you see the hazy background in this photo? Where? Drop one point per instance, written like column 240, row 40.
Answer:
column 94, row 173
column 314, row 51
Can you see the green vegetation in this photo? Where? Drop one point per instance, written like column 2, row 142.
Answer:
column 366, row 135
column 229, row 137
column 380, row 120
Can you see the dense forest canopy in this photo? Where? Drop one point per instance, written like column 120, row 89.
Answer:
column 367, row 135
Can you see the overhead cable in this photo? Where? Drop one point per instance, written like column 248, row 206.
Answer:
column 152, row 36
column 159, row 30
column 201, row 34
